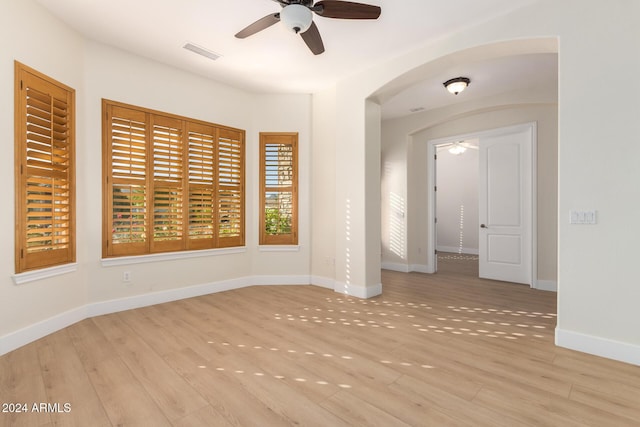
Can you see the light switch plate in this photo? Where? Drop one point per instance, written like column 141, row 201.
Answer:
column 583, row 217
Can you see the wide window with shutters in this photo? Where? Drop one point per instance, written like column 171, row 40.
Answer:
column 45, row 170
column 170, row 183
column 278, row 188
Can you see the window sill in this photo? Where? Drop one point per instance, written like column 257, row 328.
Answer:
column 44, row 273
column 279, row 248
column 169, row 256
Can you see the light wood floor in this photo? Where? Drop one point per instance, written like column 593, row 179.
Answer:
column 434, row 350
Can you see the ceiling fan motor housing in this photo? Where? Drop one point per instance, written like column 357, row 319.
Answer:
column 296, row 17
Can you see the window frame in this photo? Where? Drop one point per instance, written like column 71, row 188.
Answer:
column 281, row 138
column 29, row 138
column 173, row 170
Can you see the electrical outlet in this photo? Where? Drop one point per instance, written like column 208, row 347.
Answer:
column 126, row 276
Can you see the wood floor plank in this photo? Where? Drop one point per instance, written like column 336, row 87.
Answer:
column 203, row 417
column 147, row 323
column 124, row 399
column 166, row 388
column 462, row 410
column 622, row 406
column 68, row 388
column 530, row 411
column 410, row 411
column 224, row 392
column 90, row 344
column 278, row 394
column 356, row 412
column 22, row 383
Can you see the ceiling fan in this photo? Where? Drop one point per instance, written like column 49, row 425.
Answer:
column 297, row 15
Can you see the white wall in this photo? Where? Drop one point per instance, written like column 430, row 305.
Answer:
column 97, row 71
column 282, row 113
column 323, row 189
column 119, row 76
column 457, row 201
column 597, row 164
column 32, row 37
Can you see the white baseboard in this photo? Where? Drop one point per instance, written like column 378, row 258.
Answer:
column 144, row 300
column 407, row 268
column 323, row 282
column 395, row 266
column 546, row 285
column 280, row 280
column 60, row 321
column 358, row 291
column 41, row 329
column 160, row 297
column 421, row 268
column 456, row 250
column 616, row 350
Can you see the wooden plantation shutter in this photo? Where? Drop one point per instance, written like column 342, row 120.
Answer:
column 45, row 170
column 168, row 191
column 171, row 183
column 202, row 158
column 230, row 188
column 127, row 207
column 279, row 188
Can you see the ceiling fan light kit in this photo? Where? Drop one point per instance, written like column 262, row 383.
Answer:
column 457, row 85
column 297, row 16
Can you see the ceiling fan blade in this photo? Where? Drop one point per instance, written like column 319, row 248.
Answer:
column 346, row 10
column 259, row 25
column 313, row 39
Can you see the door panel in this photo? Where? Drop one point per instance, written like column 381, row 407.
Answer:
column 506, row 161
column 504, row 248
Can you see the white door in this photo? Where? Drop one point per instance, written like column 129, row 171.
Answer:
column 505, row 205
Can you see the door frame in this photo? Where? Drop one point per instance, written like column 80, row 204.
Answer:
column 431, row 191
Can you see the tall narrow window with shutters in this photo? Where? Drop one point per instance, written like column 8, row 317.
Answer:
column 45, row 171
column 278, row 188
column 170, row 183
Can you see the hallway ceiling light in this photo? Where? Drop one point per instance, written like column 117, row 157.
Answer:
column 457, row 85
column 457, row 148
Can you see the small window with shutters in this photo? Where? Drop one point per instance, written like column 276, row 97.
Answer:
column 45, row 171
column 171, row 183
column 278, row 188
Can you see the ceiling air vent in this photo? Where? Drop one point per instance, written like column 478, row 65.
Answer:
column 201, row 51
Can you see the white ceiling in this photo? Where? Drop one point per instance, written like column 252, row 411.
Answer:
column 489, row 78
column 275, row 60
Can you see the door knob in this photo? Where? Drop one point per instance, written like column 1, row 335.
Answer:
column 483, row 226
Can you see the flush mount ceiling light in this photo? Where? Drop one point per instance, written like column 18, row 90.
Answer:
column 296, row 18
column 457, row 148
column 457, row 85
